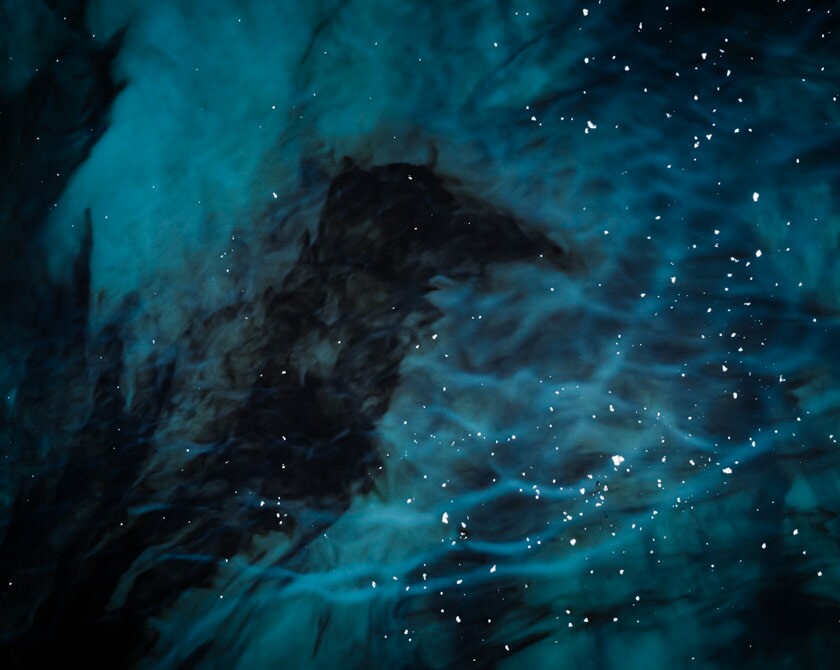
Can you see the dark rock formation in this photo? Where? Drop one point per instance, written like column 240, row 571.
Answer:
column 313, row 375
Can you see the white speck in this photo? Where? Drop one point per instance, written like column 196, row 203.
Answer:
column 735, row 395
column 796, row 531
column 819, row 574
column 764, row 545
column 586, row 12
column 724, row 368
column 573, row 542
column 617, row 460
column 373, row 584
column 591, row 125
column 703, row 55
column 673, row 280
column 755, row 196
column 445, row 517
column 495, row 44
column 758, row 253
column 493, row 569
column 727, row 471
column 274, row 194
column 458, row 619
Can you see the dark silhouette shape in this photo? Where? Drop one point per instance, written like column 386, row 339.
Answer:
column 328, row 354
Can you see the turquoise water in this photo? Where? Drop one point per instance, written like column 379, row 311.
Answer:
column 419, row 335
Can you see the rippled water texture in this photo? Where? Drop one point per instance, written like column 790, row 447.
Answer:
column 419, row 334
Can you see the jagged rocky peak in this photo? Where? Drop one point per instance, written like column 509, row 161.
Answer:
column 285, row 410
column 335, row 330
column 406, row 219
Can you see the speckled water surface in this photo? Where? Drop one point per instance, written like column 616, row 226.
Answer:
column 366, row 334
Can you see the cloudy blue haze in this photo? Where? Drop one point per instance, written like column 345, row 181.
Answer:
column 370, row 334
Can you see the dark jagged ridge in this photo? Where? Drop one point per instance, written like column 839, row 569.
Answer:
column 320, row 370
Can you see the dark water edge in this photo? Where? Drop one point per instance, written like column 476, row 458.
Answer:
column 357, row 334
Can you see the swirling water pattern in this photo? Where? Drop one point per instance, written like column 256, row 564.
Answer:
column 420, row 335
